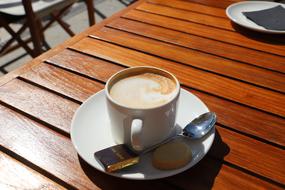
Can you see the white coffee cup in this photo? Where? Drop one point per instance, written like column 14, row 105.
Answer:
column 140, row 127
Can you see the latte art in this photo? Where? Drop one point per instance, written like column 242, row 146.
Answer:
column 143, row 91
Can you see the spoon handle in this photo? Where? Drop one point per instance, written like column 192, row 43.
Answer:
column 196, row 129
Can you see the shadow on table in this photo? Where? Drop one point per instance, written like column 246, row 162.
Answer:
column 104, row 181
column 275, row 39
column 202, row 176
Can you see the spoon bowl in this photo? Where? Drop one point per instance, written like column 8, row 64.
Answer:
column 200, row 126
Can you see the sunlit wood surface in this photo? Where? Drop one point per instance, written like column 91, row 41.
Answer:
column 238, row 73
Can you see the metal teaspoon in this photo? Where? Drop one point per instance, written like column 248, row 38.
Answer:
column 196, row 129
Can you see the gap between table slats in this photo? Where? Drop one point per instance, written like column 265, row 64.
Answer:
column 186, row 15
column 196, row 59
column 245, row 152
column 51, row 108
column 54, row 155
column 59, row 150
column 237, row 91
column 59, row 81
column 208, row 32
column 229, row 51
column 190, row 6
column 219, row 4
column 228, row 174
column 16, row 175
column 208, row 20
column 250, row 118
column 225, row 174
column 95, row 69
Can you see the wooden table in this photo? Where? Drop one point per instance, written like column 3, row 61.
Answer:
column 239, row 74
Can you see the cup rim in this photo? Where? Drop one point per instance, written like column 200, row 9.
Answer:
column 137, row 67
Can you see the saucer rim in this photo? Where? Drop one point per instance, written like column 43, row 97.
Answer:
column 177, row 171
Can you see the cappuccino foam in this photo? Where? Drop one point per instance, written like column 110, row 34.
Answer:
column 143, row 91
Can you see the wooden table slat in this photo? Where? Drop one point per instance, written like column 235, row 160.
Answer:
column 39, row 103
column 197, row 59
column 208, row 32
column 226, row 50
column 59, row 150
column 218, row 22
column 34, row 142
column 187, row 5
column 216, row 175
column 90, row 66
column 266, row 160
column 220, row 4
column 235, row 90
column 15, row 175
column 250, row 121
column 63, row 82
column 247, row 151
column 238, row 73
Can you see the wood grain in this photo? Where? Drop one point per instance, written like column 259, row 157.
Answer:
column 43, row 147
column 15, row 175
column 258, row 157
column 39, row 103
column 251, row 121
column 55, row 154
column 257, row 58
column 63, row 82
column 195, row 7
column 13, row 74
column 220, row 4
column 200, row 18
column 244, row 151
column 33, row 142
column 248, row 152
column 252, row 42
column 201, row 177
column 88, row 65
column 214, row 84
column 196, row 59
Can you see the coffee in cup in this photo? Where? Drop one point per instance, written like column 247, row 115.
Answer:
column 142, row 104
column 145, row 90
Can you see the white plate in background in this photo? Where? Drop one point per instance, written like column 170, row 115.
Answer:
column 234, row 12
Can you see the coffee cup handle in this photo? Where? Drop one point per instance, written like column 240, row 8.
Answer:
column 136, row 131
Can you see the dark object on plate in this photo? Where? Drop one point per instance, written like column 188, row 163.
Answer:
column 272, row 19
column 116, row 157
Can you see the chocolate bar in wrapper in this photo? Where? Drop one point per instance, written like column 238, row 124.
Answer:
column 116, row 157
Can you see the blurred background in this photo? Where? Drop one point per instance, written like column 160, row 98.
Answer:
column 76, row 17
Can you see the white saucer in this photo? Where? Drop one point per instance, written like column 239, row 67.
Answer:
column 234, row 12
column 90, row 132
